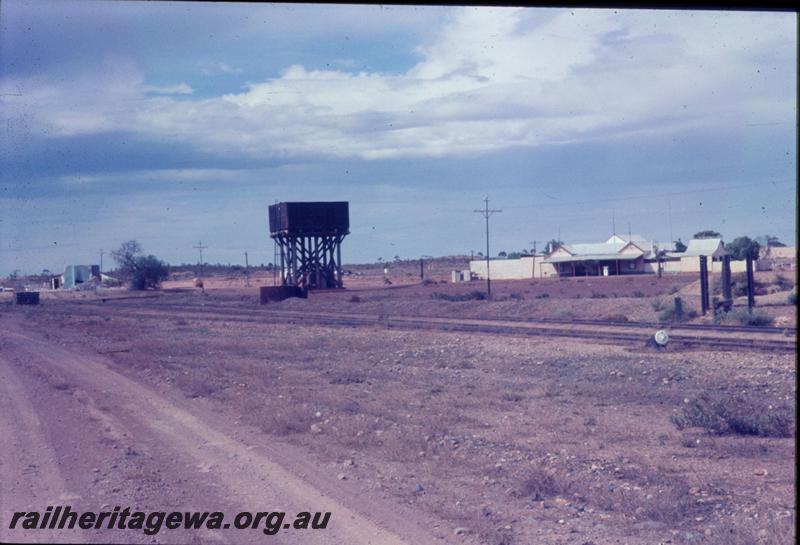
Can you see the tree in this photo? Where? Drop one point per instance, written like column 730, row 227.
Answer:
column 707, row 234
column 770, row 241
column 680, row 246
column 125, row 256
column 149, row 272
column 742, row 247
column 502, row 254
column 142, row 271
column 552, row 245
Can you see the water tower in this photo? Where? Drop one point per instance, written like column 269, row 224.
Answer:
column 309, row 237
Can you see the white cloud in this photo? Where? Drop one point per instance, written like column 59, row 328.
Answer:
column 491, row 79
column 179, row 89
column 214, row 68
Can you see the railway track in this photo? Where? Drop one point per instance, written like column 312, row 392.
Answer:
column 757, row 330
column 716, row 338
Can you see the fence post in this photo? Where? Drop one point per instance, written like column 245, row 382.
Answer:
column 751, row 294
column 727, row 295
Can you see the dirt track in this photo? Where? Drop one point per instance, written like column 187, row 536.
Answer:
column 84, row 435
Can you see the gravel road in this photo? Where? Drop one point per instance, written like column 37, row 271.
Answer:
column 79, row 433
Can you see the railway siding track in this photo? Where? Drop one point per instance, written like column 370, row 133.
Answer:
column 595, row 331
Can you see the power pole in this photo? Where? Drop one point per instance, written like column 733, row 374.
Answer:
column 101, row 260
column 613, row 222
column 486, row 214
column 201, row 248
column 246, row 271
column 533, row 273
column 669, row 216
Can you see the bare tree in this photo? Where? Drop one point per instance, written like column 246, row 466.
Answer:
column 126, row 256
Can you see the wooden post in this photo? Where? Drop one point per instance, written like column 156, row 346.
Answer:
column 727, row 294
column 704, row 303
column 751, row 293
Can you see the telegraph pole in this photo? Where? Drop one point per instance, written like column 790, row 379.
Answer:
column 246, row 271
column 201, row 248
column 669, row 215
column 486, row 212
column 533, row 264
column 101, row 260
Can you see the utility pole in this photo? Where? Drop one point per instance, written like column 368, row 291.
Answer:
column 201, row 248
column 533, row 265
column 246, row 271
column 101, row 260
column 613, row 222
column 486, row 214
column 669, row 215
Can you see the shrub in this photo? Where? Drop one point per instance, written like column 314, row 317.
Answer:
column 792, row 299
column 356, row 299
column 674, row 289
column 475, row 295
column 739, row 285
column 542, row 484
column 735, row 415
column 143, row 271
column 783, row 283
column 516, row 297
column 638, row 293
column 757, row 317
column 541, row 296
column 676, row 313
column 659, row 304
column 148, row 272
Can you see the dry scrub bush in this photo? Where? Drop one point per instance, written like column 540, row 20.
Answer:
column 757, row 317
column 474, row 295
column 543, row 484
column 676, row 313
column 735, row 415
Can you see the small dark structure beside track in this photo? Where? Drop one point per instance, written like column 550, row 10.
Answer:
column 279, row 293
column 27, row 297
column 309, row 236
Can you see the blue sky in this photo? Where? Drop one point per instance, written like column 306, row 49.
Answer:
column 176, row 122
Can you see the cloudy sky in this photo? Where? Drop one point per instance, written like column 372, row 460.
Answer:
column 177, row 122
